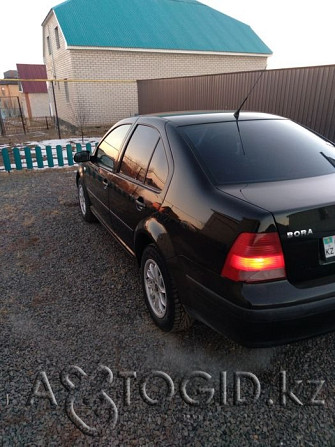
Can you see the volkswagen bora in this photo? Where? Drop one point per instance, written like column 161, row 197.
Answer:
column 231, row 219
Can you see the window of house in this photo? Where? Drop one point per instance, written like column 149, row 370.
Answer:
column 67, row 93
column 138, row 153
column 109, row 148
column 49, row 44
column 57, row 37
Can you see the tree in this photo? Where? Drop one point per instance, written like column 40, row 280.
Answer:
column 81, row 118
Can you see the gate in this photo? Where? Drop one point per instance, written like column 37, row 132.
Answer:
column 11, row 116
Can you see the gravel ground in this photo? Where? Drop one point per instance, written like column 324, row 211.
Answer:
column 72, row 319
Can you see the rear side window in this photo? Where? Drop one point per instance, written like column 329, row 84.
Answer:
column 139, row 151
column 259, row 151
column 110, row 146
column 158, row 169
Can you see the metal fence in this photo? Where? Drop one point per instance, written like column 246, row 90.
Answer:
column 13, row 121
column 11, row 116
column 305, row 95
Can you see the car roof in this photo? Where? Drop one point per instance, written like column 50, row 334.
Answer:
column 199, row 117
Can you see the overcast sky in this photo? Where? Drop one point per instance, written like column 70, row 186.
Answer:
column 299, row 32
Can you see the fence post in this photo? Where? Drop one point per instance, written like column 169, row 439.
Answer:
column 69, row 155
column 49, row 156
column 29, row 159
column 60, row 158
column 17, row 158
column 6, row 159
column 39, row 158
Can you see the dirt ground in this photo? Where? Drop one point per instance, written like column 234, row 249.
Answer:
column 73, row 317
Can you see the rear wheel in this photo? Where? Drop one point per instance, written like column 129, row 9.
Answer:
column 160, row 293
column 84, row 202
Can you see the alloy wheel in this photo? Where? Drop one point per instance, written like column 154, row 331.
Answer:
column 155, row 288
column 82, row 200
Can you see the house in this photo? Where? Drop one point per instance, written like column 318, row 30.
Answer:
column 9, row 95
column 9, row 87
column 33, row 94
column 121, row 41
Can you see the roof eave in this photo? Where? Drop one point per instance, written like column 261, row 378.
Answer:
column 47, row 16
column 163, row 50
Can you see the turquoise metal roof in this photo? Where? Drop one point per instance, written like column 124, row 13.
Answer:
column 155, row 24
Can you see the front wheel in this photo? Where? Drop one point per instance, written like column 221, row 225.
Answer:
column 160, row 293
column 84, row 202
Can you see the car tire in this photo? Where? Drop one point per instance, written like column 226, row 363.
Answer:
column 84, row 203
column 160, row 293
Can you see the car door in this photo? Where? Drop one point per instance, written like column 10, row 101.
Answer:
column 137, row 189
column 100, row 171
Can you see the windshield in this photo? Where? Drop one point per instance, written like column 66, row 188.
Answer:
column 259, row 151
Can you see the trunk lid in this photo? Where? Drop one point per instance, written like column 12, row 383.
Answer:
column 304, row 212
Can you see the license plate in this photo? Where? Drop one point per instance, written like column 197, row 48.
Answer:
column 329, row 246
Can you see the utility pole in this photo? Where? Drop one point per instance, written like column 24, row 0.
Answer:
column 21, row 115
column 56, row 112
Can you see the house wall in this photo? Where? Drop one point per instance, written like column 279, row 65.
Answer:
column 35, row 105
column 104, row 103
column 8, row 100
column 9, row 90
column 25, row 105
column 9, row 105
column 59, row 66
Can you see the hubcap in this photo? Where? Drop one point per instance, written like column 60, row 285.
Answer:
column 155, row 288
column 82, row 201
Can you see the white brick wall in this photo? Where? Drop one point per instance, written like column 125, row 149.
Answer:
column 59, row 66
column 105, row 103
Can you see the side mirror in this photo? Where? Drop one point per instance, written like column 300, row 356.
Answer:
column 81, row 157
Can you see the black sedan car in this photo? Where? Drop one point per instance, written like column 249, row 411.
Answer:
column 231, row 219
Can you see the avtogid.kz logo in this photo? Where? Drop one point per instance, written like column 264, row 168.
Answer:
column 197, row 388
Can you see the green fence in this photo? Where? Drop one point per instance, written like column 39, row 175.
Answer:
column 39, row 158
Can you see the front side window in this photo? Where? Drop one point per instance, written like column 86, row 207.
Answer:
column 109, row 148
column 139, row 151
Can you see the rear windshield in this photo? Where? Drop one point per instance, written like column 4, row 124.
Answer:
column 259, row 151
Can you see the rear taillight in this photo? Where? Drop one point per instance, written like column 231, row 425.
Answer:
column 255, row 257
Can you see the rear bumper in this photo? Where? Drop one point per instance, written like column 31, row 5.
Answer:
column 258, row 327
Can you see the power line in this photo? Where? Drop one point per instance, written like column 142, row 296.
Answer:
column 122, row 81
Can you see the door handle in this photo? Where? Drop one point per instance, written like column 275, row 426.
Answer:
column 105, row 183
column 140, row 205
